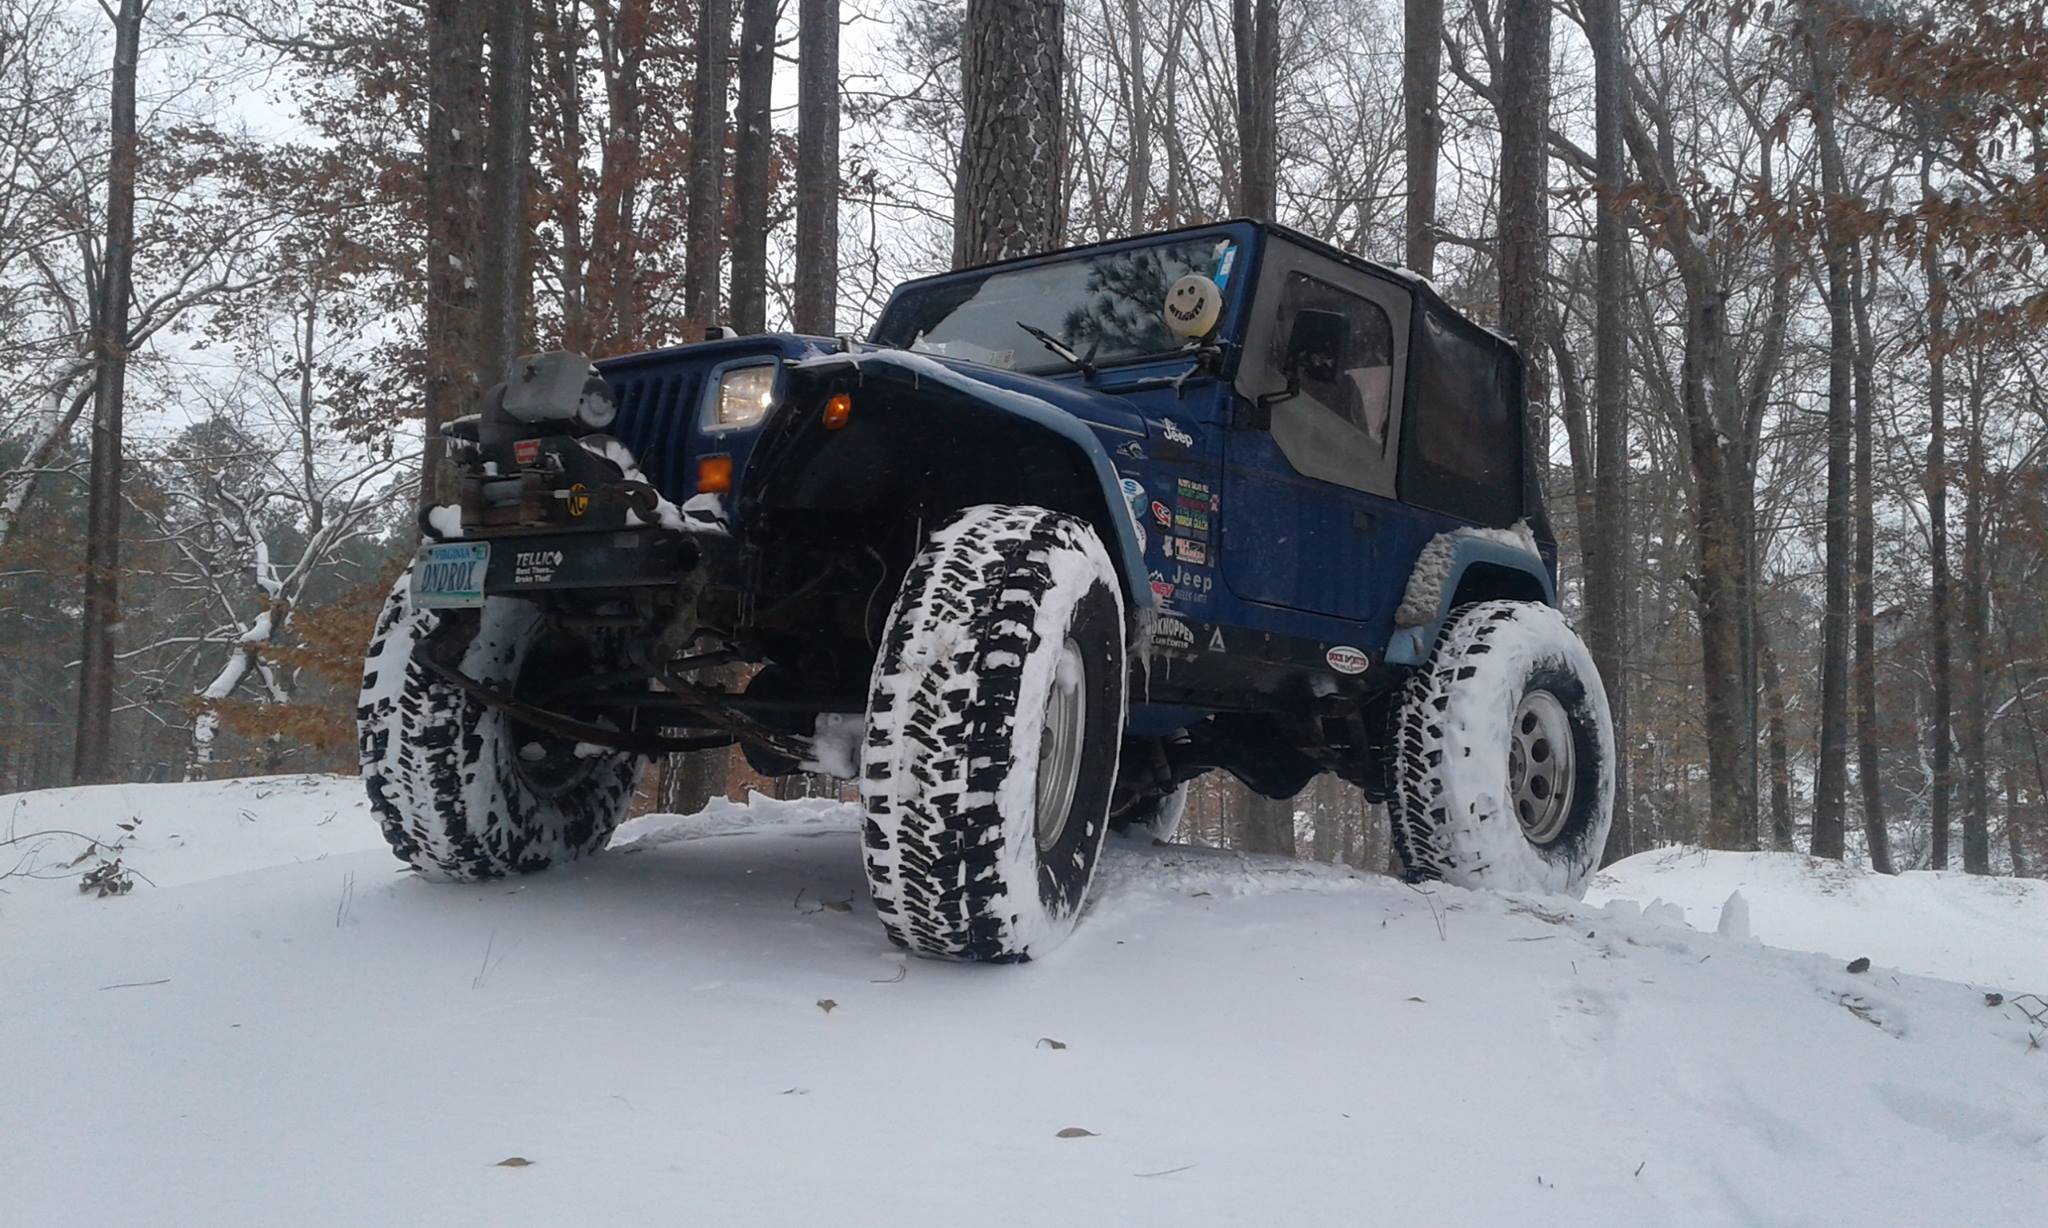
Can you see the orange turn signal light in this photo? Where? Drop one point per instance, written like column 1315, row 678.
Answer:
column 838, row 411
column 714, row 474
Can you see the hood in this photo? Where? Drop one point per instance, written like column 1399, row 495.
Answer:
column 660, row 394
column 1070, row 393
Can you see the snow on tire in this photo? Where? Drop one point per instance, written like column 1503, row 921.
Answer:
column 995, row 718
column 1153, row 818
column 1504, row 755
column 461, row 790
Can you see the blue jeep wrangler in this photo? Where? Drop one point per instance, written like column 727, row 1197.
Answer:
column 1063, row 534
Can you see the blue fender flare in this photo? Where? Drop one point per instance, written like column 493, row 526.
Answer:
column 1518, row 567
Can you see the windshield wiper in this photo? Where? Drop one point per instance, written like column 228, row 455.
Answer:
column 1061, row 348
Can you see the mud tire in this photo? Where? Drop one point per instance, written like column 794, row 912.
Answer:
column 975, row 645
column 443, row 769
column 1453, row 808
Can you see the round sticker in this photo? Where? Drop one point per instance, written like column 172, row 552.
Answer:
column 1134, row 498
column 1347, row 660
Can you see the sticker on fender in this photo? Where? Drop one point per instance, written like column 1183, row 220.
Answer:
column 1347, row 660
column 450, row 575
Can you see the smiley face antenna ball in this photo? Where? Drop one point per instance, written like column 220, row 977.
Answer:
column 1193, row 305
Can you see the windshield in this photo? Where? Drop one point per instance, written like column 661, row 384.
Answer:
column 1103, row 307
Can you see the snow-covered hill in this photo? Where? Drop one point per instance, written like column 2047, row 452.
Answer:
column 705, row 1027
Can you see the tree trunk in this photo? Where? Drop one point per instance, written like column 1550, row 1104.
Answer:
column 1264, row 825
column 2040, row 762
column 92, row 747
column 506, row 220
column 2014, row 847
column 1138, row 170
column 1869, row 765
column 1831, row 782
column 751, row 155
column 1011, row 150
column 1780, row 752
column 561, row 39
column 1421, row 66
column 1578, row 433
column 1720, row 586
column 1255, row 38
column 1525, row 206
column 689, row 781
column 1176, row 147
column 1937, row 519
column 454, row 173
column 817, row 169
column 1327, row 831
column 1976, row 772
column 1607, row 536
column 707, row 163
column 612, row 277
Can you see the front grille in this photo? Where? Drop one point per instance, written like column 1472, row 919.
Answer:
column 655, row 410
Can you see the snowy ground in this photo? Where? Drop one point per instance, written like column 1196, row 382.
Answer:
column 705, row 1027
column 1991, row 932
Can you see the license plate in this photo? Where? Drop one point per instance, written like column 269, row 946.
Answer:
column 450, row 575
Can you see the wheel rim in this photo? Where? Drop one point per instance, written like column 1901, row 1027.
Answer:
column 1541, row 776
column 1059, row 744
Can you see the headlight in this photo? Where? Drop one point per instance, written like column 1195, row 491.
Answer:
column 744, row 395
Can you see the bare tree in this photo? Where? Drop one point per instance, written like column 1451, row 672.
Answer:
column 1525, row 202
column 507, row 227
column 707, row 162
column 1138, row 104
column 1264, row 824
column 623, row 39
column 1939, row 611
column 1421, row 66
column 1830, row 790
column 817, row 169
column 1606, row 538
column 1976, row 629
column 1006, row 193
column 1255, row 38
column 93, row 745
column 454, row 199
column 1869, row 765
column 256, row 543
column 752, row 154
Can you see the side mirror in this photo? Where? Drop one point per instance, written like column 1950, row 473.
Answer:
column 1315, row 347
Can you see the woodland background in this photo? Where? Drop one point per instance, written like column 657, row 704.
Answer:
column 1779, row 270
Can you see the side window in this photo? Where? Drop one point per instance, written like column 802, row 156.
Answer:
column 1352, row 386
column 1463, row 430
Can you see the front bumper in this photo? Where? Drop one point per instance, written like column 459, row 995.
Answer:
column 627, row 558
